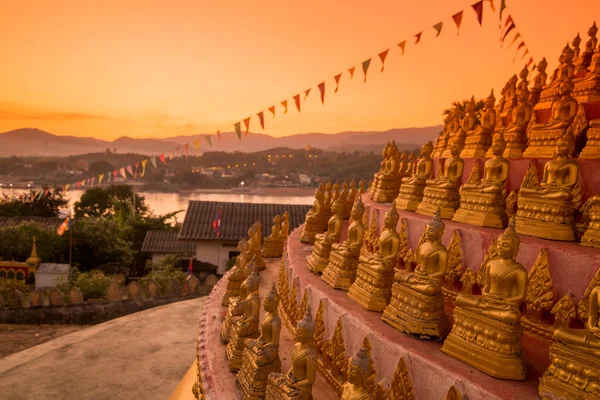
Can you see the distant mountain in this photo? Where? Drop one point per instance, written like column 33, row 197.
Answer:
column 35, row 142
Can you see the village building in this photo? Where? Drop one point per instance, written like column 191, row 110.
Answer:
column 163, row 243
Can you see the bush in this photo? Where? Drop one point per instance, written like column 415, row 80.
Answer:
column 8, row 285
column 162, row 271
column 93, row 284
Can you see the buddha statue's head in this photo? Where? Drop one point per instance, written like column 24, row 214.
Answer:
column 336, row 187
column 576, row 41
column 568, row 54
column 566, row 87
column 242, row 245
column 277, row 220
column 353, row 184
column 542, row 65
column 250, row 284
column 319, row 194
column 391, row 217
column 338, row 206
column 498, row 144
column 490, row 101
column 404, row 156
column 435, row 228
column 305, row 328
column 508, row 242
column 344, row 185
column 286, row 216
column 361, row 186
column 471, row 106
column 358, row 209
column 272, row 300
column 593, row 30
column 565, row 145
column 524, row 73
column 258, row 229
column 427, row 149
column 411, row 156
column 456, row 148
column 513, row 81
column 386, row 150
column 523, row 95
column 358, row 366
column 329, row 186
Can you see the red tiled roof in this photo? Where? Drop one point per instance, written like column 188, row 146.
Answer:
column 236, row 219
column 167, row 242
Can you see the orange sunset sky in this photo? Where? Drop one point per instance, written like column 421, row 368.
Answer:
column 163, row 68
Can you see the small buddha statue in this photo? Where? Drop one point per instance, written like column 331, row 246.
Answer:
column 319, row 257
column 350, row 199
column 523, row 83
column 480, row 140
column 442, row 192
column 314, row 219
column 591, row 237
column 412, row 164
column 587, row 89
column 256, row 243
column 375, row 273
column 244, row 327
column 468, row 126
column 237, row 275
column 343, row 259
column 285, row 226
column 327, row 194
column 547, row 210
column 542, row 136
column 411, row 188
column 510, row 95
column 565, row 71
column 583, row 62
column 261, row 356
column 273, row 244
column 361, row 187
column 482, row 202
column 538, row 82
column 387, row 181
column 516, row 132
column 487, row 332
column 236, row 304
column 297, row 383
column 355, row 387
column 574, row 372
column 417, row 305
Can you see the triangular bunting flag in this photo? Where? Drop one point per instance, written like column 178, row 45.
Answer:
column 137, row 166
column 261, row 119
column 161, row 157
column 478, row 8
column 322, row 90
column 170, row 156
column 402, row 45
column 123, row 174
column 238, row 130
column 285, row 106
column 457, row 20
column 337, row 82
column 100, row 179
column 153, row 161
column 130, row 170
column 197, row 146
column 108, row 177
column 520, row 45
column 517, row 36
column 529, row 62
column 351, row 71
column 524, row 54
column 144, row 162
column 510, row 28
column 382, row 57
column 186, row 150
column 502, row 7
column 306, row 92
column 78, row 184
column 272, row 109
column 218, row 136
column 418, row 36
column 365, row 67
column 93, row 180
column 297, row 101
column 209, row 140
column 247, row 125
column 492, row 5
column 508, row 20
column 115, row 173
column 438, row 28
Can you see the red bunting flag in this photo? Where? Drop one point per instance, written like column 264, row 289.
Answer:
column 115, row 172
column 261, row 118
column 478, row 8
column 218, row 136
column 529, row 62
column 382, row 57
column 418, row 36
column 238, row 130
column 322, row 90
column 524, row 54
column 162, row 158
column 297, row 101
column 517, row 36
column 351, row 71
column 502, row 7
column 438, row 28
column 186, row 149
column 510, row 28
column 520, row 45
column 285, row 106
column 272, row 109
column 492, row 5
column 337, row 82
column 306, row 92
column 365, row 67
column 402, row 45
column 78, row 184
column 457, row 20
column 247, row 125
column 47, row 191
column 508, row 20
column 209, row 140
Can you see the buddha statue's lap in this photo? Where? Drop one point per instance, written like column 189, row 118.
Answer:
column 411, row 188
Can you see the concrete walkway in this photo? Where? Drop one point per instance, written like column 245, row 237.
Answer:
column 139, row 356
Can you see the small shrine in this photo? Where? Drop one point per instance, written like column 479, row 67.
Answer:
column 21, row 270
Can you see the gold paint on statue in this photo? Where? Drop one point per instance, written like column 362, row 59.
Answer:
column 539, row 298
column 509, row 97
column 198, row 388
column 386, row 182
column 442, row 192
column 343, row 259
column 333, row 364
column 565, row 71
column 564, row 312
column 254, row 252
column 319, row 257
column 417, row 305
column 371, row 375
column 403, row 245
column 401, row 387
column 454, row 394
column 319, row 336
column 547, row 210
column 468, row 126
column 587, row 89
column 468, row 280
column 285, row 226
column 411, row 259
column 237, row 275
column 478, row 141
column 303, row 305
column 487, row 332
column 236, row 307
column 261, row 356
column 583, row 306
column 370, row 238
column 411, row 189
column 538, row 82
column 315, row 219
column 350, row 200
column 292, row 311
column 375, row 272
column 482, row 200
column 455, row 268
column 586, row 57
column 592, row 146
column 297, row 383
column 273, row 244
column 355, row 388
column 327, row 196
column 515, row 133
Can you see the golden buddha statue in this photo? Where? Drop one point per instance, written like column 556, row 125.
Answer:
column 273, row 244
column 574, row 372
column 510, row 94
column 442, row 192
column 482, row 202
column 255, row 246
column 350, row 199
column 236, row 309
column 314, row 219
column 319, row 257
column 343, row 259
column 523, row 83
column 236, row 277
column 372, row 288
column 261, row 356
column 327, row 195
column 285, row 226
column 387, row 181
column 538, row 82
column 417, row 305
column 440, row 142
column 515, row 133
column 480, row 139
column 411, row 189
column 543, row 136
column 547, row 210
column 587, row 89
column 468, row 127
column 585, row 59
column 591, row 237
column 355, row 387
column 361, row 187
column 565, row 71
column 244, row 327
column 297, row 383
column 383, row 166
column 487, row 331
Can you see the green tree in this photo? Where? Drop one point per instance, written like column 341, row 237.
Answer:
column 34, row 205
column 110, row 201
column 16, row 243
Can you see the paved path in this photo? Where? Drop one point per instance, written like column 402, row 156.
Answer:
column 139, row 356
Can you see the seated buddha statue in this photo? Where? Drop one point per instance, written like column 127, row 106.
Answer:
column 273, row 244
column 297, row 383
column 343, row 259
column 538, row 82
column 387, row 182
column 515, row 133
column 565, row 71
column 417, row 305
column 411, row 165
column 236, row 309
column 372, row 288
column 543, row 136
column 350, row 199
column 355, row 387
column 244, row 327
column 313, row 223
column 385, row 155
column 261, row 356
column 575, row 359
column 255, row 246
column 510, row 95
column 319, row 257
column 587, row 89
column 327, row 194
column 468, row 126
column 547, row 210
column 442, row 192
column 412, row 187
column 237, row 275
column 285, row 226
column 482, row 202
column 584, row 61
column 480, row 139
column 487, row 331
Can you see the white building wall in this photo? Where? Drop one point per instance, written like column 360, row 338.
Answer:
column 213, row 251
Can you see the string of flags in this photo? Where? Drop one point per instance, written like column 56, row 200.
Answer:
column 139, row 169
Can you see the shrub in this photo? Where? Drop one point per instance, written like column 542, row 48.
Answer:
column 162, row 271
column 93, row 284
column 8, row 285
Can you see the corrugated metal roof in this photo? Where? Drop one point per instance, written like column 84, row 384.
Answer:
column 236, row 219
column 50, row 223
column 167, row 242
